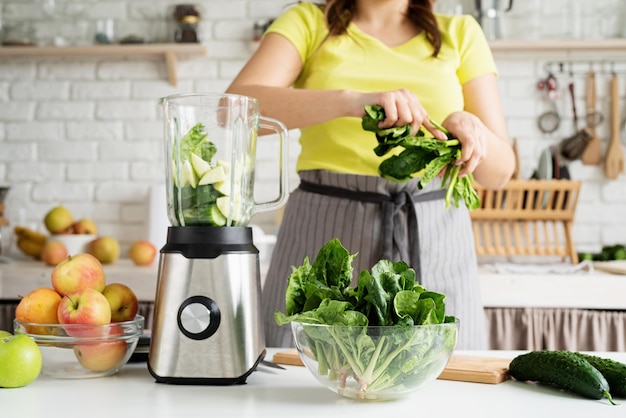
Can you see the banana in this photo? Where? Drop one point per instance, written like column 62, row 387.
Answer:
column 30, row 234
column 29, row 247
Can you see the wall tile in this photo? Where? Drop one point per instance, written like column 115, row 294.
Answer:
column 88, row 131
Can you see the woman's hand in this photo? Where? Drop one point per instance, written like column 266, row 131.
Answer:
column 401, row 108
column 472, row 134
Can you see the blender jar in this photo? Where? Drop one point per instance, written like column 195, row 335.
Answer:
column 210, row 159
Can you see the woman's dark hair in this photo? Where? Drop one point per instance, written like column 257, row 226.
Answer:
column 338, row 14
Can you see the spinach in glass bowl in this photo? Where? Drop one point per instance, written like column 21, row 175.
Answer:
column 381, row 339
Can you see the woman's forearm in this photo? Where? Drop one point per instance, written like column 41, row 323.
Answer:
column 300, row 108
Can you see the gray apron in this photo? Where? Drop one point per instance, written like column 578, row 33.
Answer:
column 379, row 219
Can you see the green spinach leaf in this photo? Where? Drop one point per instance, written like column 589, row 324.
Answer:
column 426, row 157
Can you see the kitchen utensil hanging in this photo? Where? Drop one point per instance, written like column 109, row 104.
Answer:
column 574, row 146
column 614, row 158
column 592, row 155
column 550, row 120
column 572, row 95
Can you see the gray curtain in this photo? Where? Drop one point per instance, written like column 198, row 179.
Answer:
column 556, row 329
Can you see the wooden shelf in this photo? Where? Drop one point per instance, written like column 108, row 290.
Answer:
column 617, row 45
column 170, row 52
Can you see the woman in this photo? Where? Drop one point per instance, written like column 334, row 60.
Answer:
column 315, row 69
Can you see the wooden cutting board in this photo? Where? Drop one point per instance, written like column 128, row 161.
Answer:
column 615, row 266
column 464, row 368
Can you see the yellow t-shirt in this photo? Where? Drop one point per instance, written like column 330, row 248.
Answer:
column 361, row 62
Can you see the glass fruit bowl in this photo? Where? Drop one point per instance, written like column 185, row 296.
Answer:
column 78, row 351
column 376, row 362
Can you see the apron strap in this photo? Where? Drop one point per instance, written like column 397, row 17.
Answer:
column 392, row 205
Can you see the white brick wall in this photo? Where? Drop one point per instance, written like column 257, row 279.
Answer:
column 86, row 132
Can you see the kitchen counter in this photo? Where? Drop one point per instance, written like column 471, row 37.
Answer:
column 584, row 290
column 581, row 290
column 524, row 311
column 292, row 393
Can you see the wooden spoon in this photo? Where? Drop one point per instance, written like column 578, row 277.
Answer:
column 614, row 158
column 592, row 155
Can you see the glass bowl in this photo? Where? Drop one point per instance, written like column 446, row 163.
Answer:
column 78, row 351
column 376, row 362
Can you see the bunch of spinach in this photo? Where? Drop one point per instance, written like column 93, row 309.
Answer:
column 387, row 298
column 420, row 154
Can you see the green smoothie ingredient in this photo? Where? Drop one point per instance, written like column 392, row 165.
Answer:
column 562, row 369
column 421, row 156
column 201, row 185
column 388, row 295
column 613, row 371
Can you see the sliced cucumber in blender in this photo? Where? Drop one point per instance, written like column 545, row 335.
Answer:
column 229, row 206
column 216, row 217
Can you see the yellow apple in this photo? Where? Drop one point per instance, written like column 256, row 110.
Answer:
column 58, row 220
column 53, row 252
column 123, row 302
column 39, row 306
column 85, row 227
column 142, row 252
column 105, row 249
column 77, row 272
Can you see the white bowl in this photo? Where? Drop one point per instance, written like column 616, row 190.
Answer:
column 75, row 243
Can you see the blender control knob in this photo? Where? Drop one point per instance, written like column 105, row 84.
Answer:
column 198, row 317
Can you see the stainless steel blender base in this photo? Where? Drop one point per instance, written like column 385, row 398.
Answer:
column 207, row 327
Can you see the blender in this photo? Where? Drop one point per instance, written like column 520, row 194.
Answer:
column 207, row 326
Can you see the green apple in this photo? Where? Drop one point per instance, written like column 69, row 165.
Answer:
column 188, row 175
column 20, row 360
column 200, row 167
column 213, row 175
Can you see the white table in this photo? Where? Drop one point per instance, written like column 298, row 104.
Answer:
column 291, row 393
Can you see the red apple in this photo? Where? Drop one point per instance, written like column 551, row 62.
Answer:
column 80, row 271
column 53, row 252
column 142, row 252
column 86, row 307
column 123, row 302
column 100, row 357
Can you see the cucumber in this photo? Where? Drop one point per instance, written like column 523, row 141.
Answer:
column 563, row 369
column 613, row 371
column 215, row 216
